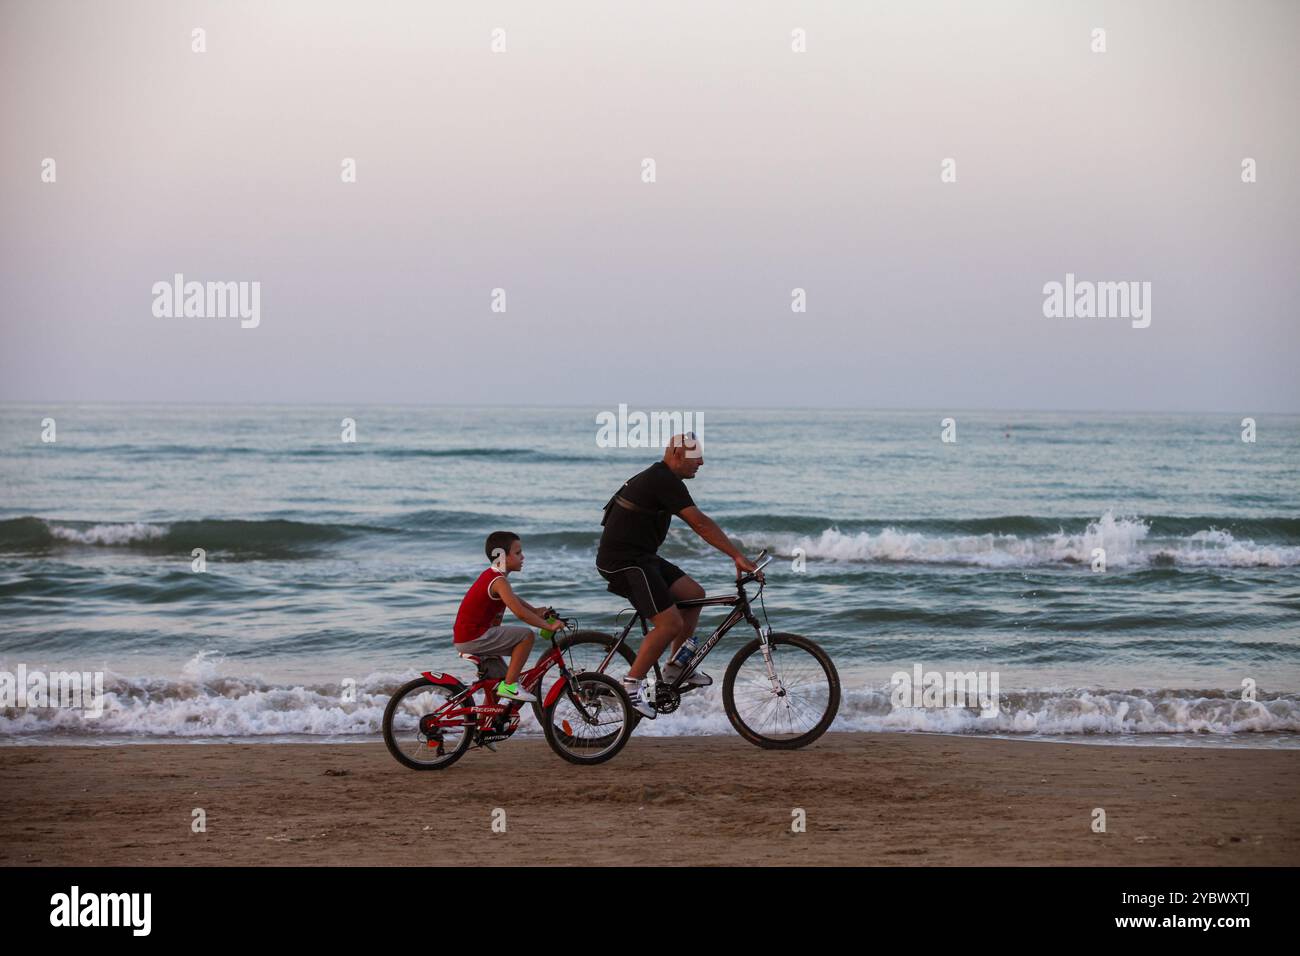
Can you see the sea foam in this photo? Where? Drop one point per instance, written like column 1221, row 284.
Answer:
column 202, row 704
column 1127, row 543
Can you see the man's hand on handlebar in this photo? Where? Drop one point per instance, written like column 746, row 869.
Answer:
column 745, row 566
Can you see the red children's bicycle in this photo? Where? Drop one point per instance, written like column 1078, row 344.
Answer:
column 433, row 720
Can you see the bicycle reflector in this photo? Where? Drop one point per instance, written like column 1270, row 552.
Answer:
column 568, row 730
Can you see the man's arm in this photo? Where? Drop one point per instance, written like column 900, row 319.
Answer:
column 708, row 529
column 518, row 607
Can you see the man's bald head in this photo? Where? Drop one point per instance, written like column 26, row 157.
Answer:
column 684, row 455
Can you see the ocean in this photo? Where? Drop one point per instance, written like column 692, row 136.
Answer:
column 334, row 569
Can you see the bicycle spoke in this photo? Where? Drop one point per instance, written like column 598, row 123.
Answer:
column 406, row 726
column 584, row 655
column 802, row 706
column 581, row 704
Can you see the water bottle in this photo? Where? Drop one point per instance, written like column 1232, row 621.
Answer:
column 552, row 620
column 684, row 653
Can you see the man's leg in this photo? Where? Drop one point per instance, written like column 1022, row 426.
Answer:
column 686, row 589
column 665, row 627
column 643, row 584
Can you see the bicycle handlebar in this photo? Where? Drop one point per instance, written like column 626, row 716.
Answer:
column 763, row 560
column 561, row 624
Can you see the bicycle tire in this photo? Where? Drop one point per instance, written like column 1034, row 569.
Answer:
column 775, row 743
column 390, row 740
column 560, row 741
column 567, row 641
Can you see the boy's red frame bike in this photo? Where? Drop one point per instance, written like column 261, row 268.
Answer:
column 430, row 722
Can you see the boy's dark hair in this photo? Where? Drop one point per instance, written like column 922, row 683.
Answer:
column 499, row 539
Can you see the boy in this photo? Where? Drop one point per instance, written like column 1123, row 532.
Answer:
column 478, row 628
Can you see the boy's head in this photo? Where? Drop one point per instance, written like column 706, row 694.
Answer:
column 505, row 551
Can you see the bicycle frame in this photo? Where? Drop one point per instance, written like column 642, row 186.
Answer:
column 740, row 610
column 455, row 713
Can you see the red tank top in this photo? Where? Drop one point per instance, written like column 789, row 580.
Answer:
column 478, row 610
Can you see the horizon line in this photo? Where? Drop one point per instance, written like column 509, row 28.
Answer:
column 595, row 405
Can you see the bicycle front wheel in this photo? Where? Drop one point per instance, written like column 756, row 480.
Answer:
column 590, row 721
column 788, row 707
column 584, row 651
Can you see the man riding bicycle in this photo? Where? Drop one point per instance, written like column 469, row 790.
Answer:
column 635, row 525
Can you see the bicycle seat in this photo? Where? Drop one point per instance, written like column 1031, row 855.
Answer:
column 488, row 667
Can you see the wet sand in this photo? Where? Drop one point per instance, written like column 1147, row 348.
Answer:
column 868, row 799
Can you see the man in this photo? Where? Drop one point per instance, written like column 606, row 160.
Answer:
column 636, row 524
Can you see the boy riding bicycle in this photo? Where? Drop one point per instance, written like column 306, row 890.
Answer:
column 478, row 629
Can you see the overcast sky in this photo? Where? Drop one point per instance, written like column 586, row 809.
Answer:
column 775, row 170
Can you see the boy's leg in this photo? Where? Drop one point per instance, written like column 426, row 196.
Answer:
column 518, row 658
column 514, row 641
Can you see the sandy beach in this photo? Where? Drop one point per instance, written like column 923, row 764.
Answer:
column 869, row 799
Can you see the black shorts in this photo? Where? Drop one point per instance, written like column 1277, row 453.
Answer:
column 644, row 582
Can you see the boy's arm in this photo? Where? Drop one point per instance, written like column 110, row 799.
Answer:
column 518, row 607
column 540, row 611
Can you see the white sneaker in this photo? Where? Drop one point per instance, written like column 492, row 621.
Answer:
column 634, row 688
column 697, row 679
column 514, row 692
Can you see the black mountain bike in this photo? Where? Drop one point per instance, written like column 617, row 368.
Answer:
column 780, row 691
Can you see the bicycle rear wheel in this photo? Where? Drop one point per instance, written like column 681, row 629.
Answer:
column 789, row 708
column 590, row 721
column 414, row 737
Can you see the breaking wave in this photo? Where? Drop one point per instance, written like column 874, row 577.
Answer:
column 203, row 704
column 1128, row 542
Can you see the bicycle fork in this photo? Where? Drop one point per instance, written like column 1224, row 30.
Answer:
column 765, row 645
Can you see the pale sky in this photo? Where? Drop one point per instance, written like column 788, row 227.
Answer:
column 775, row 170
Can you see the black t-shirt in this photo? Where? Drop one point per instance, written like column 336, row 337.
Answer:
column 629, row 535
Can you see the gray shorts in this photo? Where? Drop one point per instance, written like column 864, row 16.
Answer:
column 499, row 640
